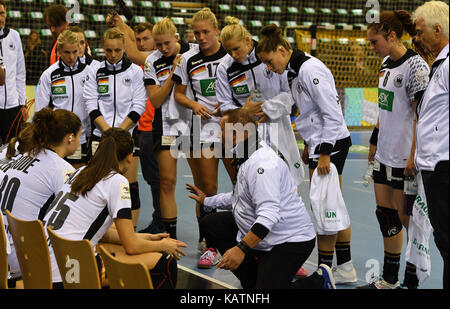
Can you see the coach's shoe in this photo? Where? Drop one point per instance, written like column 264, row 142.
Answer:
column 344, row 274
column 325, row 272
column 380, row 284
column 301, row 273
column 210, row 258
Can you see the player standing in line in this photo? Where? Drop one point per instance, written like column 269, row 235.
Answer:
column 197, row 71
column 85, row 52
column 115, row 96
column 322, row 126
column 149, row 162
column 61, row 87
column 98, row 195
column 403, row 79
column 34, row 178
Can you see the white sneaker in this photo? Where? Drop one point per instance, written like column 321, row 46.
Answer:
column 381, row 284
column 342, row 276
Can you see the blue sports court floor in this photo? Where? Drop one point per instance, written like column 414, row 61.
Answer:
column 367, row 244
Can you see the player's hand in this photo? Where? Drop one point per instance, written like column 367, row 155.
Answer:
column 323, row 166
column 372, row 152
column 202, row 111
column 173, row 247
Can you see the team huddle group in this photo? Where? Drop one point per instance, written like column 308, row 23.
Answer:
column 75, row 165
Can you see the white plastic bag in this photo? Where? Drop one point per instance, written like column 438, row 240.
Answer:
column 419, row 230
column 327, row 203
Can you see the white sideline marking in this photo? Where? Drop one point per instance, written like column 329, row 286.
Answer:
column 225, row 285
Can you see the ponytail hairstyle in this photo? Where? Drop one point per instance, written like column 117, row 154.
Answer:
column 271, row 38
column 50, row 127
column 67, row 36
column 399, row 22
column 114, row 33
column 24, row 140
column 116, row 144
column 206, row 14
column 234, row 30
column 164, row 26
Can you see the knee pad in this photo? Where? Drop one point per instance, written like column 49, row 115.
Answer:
column 164, row 274
column 390, row 224
column 134, row 194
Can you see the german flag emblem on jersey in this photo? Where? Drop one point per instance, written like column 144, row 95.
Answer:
column 59, row 86
column 103, row 85
column 163, row 73
column 198, row 71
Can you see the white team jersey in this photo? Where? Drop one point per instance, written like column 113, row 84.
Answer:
column 29, row 185
column 401, row 83
column 198, row 72
column 321, row 121
column 78, row 217
column 61, row 87
column 156, row 71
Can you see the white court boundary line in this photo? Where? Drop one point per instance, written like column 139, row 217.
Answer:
column 216, row 281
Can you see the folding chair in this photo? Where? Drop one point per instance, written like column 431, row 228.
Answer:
column 32, row 252
column 3, row 257
column 76, row 262
column 123, row 275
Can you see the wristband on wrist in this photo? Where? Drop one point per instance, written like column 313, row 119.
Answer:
column 244, row 247
column 374, row 137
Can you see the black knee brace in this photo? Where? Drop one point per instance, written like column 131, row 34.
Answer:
column 390, row 224
column 164, row 274
column 134, row 194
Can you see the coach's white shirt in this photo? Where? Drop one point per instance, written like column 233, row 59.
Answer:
column 12, row 93
column 432, row 144
column 265, row 193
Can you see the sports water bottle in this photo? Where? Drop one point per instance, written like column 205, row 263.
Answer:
column 257, row 94
column 368, row 175
column 409, row 194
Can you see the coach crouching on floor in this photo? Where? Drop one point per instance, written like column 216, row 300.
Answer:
column 267, row 234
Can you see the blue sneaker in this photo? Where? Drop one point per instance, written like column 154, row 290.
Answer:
column 325, row 272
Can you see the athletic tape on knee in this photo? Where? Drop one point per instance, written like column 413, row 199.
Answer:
column 390, row 224
column 134, row 193
column 164, row 274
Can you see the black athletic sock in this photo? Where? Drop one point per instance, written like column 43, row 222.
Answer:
column 170, row 226
column 343, row 254
column 410, row 281
column 391, row 267
column 326, row 257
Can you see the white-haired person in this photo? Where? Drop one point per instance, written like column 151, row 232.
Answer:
column 432, row 153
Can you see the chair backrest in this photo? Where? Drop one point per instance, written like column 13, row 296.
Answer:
column 123, row 275
column 32, row 252
column 3, row 257
column 76, row 262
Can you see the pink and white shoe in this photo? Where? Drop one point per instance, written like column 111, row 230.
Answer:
column 209, row 258
column 301, row 273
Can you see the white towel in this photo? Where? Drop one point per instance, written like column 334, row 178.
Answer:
column 419, row 230
column 281, row 135
column 327, row 203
